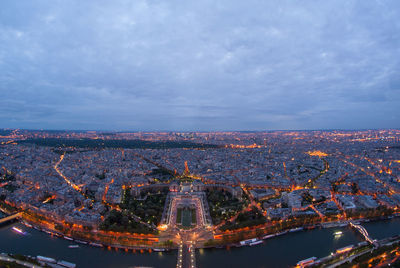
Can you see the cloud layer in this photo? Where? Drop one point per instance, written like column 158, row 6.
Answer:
column 206, row 65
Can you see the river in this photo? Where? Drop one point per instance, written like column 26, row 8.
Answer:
column 40, row 243
column 283, row 251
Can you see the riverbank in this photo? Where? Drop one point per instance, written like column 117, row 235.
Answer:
column 286, row 250
column 279, row 251
column 362, row 253
column 130, row 241
column 264, row 240
column 36, row 242
column 98, row 238
column 220, row 243
column 7, row 260
column 148, row 242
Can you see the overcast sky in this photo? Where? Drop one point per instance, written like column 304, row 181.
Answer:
column 199, row 65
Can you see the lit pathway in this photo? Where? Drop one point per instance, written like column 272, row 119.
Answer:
column 371, row 174
column 68, row 181
column 78, row 188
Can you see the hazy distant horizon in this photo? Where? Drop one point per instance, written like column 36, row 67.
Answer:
column 200, row 131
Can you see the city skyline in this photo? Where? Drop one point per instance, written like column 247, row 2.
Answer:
column 152, row 66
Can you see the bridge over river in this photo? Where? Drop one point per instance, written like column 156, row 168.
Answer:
column 9, row 218
column 186, row 255
column 363, row 232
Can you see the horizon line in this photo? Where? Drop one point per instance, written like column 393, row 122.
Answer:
column 194, row 131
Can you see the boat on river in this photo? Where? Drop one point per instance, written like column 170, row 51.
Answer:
column 256, row 243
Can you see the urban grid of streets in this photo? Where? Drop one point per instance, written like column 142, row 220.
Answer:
column 324, row 174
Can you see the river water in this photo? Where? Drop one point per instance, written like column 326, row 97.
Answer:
column 40, row 243
column 382, row 229
column 287, row 250
column 283, row 251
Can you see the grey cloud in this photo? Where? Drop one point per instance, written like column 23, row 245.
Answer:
column 156, row 65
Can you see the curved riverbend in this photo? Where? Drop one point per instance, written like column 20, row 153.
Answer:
column 40, row 243
column 282, row 251
column 287, row 250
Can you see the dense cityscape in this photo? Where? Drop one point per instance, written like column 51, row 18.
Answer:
column 162, row 191
column 199, row 134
